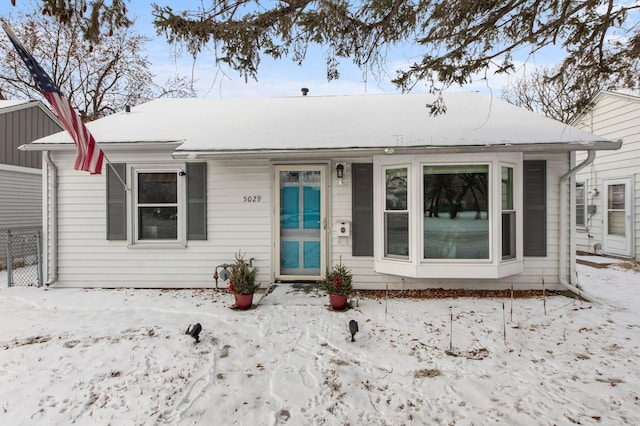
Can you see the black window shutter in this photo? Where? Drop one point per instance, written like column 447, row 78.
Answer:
column 196, row 201
column 116, row 202
column 362, row 208
column 535, row 208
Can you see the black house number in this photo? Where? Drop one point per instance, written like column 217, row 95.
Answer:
column 251, row 199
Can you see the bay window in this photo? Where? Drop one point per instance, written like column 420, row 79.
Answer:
column 444, row 216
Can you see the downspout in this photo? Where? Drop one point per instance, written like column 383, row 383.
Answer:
column 591, row 156
column 52, row 233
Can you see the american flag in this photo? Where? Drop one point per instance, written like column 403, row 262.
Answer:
column 90, row 156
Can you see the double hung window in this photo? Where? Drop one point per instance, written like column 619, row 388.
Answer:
column 157, row 205
column 166, row 204
column 396, row 213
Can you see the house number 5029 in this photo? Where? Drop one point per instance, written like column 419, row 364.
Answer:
column 251, row 199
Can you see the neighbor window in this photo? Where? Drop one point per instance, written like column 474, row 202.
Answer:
column 396, row 213
column 580, row 205
column 456, row 216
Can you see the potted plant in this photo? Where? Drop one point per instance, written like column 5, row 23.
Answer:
column 338, row 285
column 242, row 282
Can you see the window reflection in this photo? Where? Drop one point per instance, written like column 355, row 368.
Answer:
column 456, row 216
column 157, row 205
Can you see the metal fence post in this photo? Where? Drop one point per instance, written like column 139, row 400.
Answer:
column 39, row 246
column 9, row 259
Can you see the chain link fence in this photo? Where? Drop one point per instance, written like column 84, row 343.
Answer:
column 21, row 255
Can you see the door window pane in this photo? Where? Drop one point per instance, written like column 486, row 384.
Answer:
column 616, row 197
column 456, row 216
column 616, row 207
column 615, row 223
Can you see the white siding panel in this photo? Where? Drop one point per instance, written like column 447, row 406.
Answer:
column 615, row 117
column 87, row 259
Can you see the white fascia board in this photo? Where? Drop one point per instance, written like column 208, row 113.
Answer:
column 546, row 147
column 119, row 146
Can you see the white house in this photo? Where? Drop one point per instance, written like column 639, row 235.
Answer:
column 476, row 198
column 608, row 190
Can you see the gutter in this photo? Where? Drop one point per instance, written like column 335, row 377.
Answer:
column 53, row 228
column 562, row 262
column 391, row 149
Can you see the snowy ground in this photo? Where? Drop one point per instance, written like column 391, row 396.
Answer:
column 121, row 357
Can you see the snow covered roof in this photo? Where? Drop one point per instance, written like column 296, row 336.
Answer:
column 11, row 103
column 7, row 106
column 333, row 122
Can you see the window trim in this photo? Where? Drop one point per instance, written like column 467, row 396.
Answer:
column 415, row 266
column 132, row 213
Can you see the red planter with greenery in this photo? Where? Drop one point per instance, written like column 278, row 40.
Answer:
column 338, row 301
column 244, row 301
column 337, row 284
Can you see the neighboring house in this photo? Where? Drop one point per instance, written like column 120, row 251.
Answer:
column 608, row 189
column 476, row 198
column 21, row 172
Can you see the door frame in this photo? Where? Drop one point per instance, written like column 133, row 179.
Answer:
column 323, row 167
column 612, row 244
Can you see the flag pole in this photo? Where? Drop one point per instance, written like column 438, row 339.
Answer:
column 113, row 169
column 90, row 156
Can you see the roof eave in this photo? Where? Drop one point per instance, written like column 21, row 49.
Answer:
column 110, row 146
column 414, row 150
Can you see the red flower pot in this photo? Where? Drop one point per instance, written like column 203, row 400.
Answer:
column 244, row 301
column 338, row 301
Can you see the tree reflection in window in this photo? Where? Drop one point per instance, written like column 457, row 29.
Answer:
column 456, row 224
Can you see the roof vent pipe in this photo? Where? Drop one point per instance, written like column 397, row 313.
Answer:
column 304, row 91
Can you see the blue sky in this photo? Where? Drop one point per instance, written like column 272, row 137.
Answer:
column 284, row 77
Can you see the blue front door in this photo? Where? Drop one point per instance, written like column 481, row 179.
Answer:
column 300, row 222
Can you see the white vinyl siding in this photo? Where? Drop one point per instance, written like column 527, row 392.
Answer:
column 87, row 259
column 615, row 116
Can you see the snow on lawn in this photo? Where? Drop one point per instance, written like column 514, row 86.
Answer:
column 122, row 357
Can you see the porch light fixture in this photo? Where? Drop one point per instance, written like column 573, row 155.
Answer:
column 340, row 173
column 389, row 150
